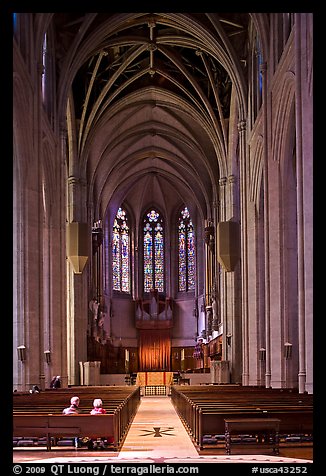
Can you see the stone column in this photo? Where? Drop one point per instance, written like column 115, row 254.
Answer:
column 244, row 180
column 216, row 281
column 232, row 325
column 77, row 317
column 55, row 282
column 210, row 267
column 222, row 273
column 304, row 152
column 267, row 346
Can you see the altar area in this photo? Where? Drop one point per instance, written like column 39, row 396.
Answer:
column 154, row 383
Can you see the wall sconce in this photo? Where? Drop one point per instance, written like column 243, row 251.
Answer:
column 262, row 354
column 47, row 356
column 228, row 339
column 287, row 350
column 97, row 235
column 21, row 350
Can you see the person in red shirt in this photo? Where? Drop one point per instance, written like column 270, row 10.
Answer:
column 98, row 407
column 97, row 410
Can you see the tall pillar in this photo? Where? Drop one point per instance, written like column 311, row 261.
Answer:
column 209, row 263
column 77, row 315
column 216, row 296
column 303, row 149
column 244, row 180
column 232, row 327
column 223, row 284
column 267, row 362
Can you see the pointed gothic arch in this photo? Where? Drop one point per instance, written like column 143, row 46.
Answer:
column 186, row 251
column 121, row 252
column 153, row 241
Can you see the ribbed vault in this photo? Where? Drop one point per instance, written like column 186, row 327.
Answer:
column 150, row 93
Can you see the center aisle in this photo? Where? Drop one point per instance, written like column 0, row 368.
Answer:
column 157, row 432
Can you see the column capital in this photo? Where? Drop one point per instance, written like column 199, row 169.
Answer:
column 263, row 67
column 73, row 180
column 242, row 126
column 222, row 181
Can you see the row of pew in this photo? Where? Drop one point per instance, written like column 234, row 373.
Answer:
column 205, row 409
column 39, row 415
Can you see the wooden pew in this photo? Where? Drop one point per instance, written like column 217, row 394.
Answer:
column 120, row 403
column 266, row 430
column 92, row 426
column 203, row 411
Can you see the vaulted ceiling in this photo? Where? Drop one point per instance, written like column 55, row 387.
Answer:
column 150, row 100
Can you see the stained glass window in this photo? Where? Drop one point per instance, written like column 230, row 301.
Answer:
column 121, row 252
column 259, row 65
column 186, row 248
column 153, row 252
column 14, row 18
column 44, row 65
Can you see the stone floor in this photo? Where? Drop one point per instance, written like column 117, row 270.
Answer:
column 157, row 435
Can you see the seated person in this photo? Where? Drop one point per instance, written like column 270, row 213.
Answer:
column 98, row 407
column 35, row 389
column 56, row 382
column 73, row 408
column 97, row 410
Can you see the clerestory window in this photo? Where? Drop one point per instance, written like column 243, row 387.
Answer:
column 121, row 252
column 186, row 252
column 153, row 239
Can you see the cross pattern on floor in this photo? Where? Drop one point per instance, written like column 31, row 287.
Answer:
column 158, row 432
